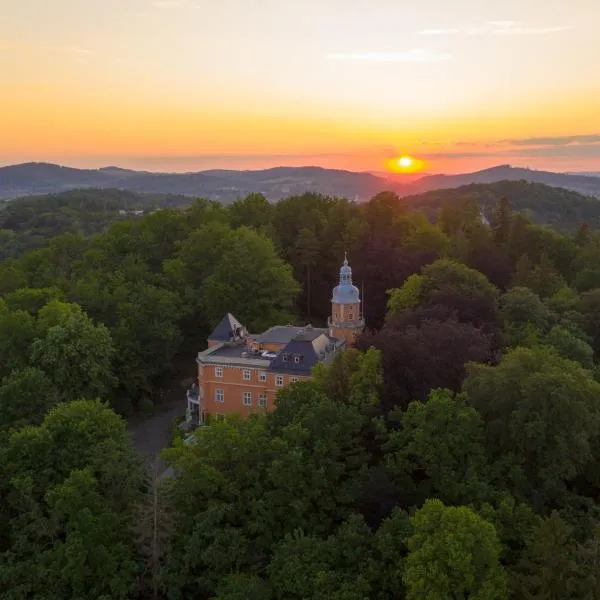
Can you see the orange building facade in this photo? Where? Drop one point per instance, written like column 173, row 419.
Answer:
column 241, row 373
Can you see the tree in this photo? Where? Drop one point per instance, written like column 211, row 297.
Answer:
column 548, row 567
column 153, row 526
column 67, row 490
column 32, row 299
column 307, row 253
column 253, row 211
column 25, row 397
column 407, row 296
column 520, row 306
column 252, row 282
column 439, row 451
column 420, row 354
column 454, row 553
column 542, row 414
column 17, row 332
column 77, row 355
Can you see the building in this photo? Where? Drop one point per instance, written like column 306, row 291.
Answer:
column 242, row 373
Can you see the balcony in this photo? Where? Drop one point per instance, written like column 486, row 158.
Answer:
column 355, row 323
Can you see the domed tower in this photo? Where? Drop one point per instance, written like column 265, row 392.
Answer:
column 346, row 320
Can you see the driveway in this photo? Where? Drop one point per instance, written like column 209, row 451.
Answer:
column 151, row 435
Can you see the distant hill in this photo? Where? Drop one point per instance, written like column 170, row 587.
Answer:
column 223, row 185
column 276, row 183
column 29, row 222
column 584, row 184
column 563, row 209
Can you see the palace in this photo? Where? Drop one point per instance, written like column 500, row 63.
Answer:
column 241, row 372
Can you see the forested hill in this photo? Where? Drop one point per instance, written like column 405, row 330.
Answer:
column 226, row 185
column 453, row 454
column 563, row 209
column 219, row 184
column 29, row 222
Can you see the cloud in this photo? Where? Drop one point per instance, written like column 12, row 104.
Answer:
column 415, row 55
column 499, row 28
column 592, row 138
column 448, row 31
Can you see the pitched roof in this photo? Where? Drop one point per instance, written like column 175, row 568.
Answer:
column 304, row 351
column 226, row 329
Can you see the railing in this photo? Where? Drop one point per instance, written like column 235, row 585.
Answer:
column 355, row 323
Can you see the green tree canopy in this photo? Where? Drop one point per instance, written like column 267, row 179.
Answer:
column 454, row 553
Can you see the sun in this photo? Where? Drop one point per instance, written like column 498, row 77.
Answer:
column 405, row 164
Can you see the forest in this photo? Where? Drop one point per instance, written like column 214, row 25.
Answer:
column 452, row 455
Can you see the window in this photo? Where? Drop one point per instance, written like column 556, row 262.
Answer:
column 279, row 380
column 262, row 400
column 296, row 358
column 247, row 375
column 351, row 316
column 295, row 379
column 219, row 396
column 285, row 357
column 247, row 399
column 219, row 417
column 262, row 376
column 218, row 371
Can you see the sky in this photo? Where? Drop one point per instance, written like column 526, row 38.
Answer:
column 181, row 85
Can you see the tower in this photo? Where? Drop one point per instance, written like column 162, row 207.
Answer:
column 346, row 321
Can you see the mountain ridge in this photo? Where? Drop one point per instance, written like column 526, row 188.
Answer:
column 226, row 185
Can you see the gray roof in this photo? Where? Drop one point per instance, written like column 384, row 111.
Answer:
column 225, row 330
column 309, row 351
column 345, row 294
column 284, row 334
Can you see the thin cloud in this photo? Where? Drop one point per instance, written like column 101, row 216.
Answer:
column 447, row 31
column 556, row 141
column 416, row 55
column 498, row 28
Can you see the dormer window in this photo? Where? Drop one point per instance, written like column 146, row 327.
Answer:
column 296, row 358
column 285, row 357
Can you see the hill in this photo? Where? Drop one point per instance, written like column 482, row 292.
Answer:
column 584, row 184
column 29, row 222
column 563, row 209
column 223, row 185
column 276, row 183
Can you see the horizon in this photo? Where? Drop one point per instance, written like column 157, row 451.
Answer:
column 189, row 85
column 401, row 177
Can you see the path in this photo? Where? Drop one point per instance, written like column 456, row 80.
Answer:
column 151, row 435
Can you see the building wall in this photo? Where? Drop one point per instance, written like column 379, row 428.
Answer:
column 346, row 333
column 233, row 385
column 345, row 312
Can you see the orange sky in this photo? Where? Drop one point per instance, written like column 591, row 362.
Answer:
column 184, row 85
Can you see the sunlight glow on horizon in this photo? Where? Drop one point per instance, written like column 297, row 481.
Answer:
column 189, row 82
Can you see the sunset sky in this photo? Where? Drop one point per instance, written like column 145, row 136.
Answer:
column 196, row 84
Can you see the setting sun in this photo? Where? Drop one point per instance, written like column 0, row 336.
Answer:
column 405, row 164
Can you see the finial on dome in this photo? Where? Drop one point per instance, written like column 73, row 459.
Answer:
column 345, row 258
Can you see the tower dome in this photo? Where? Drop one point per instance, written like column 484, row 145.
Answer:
column 345, row 292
